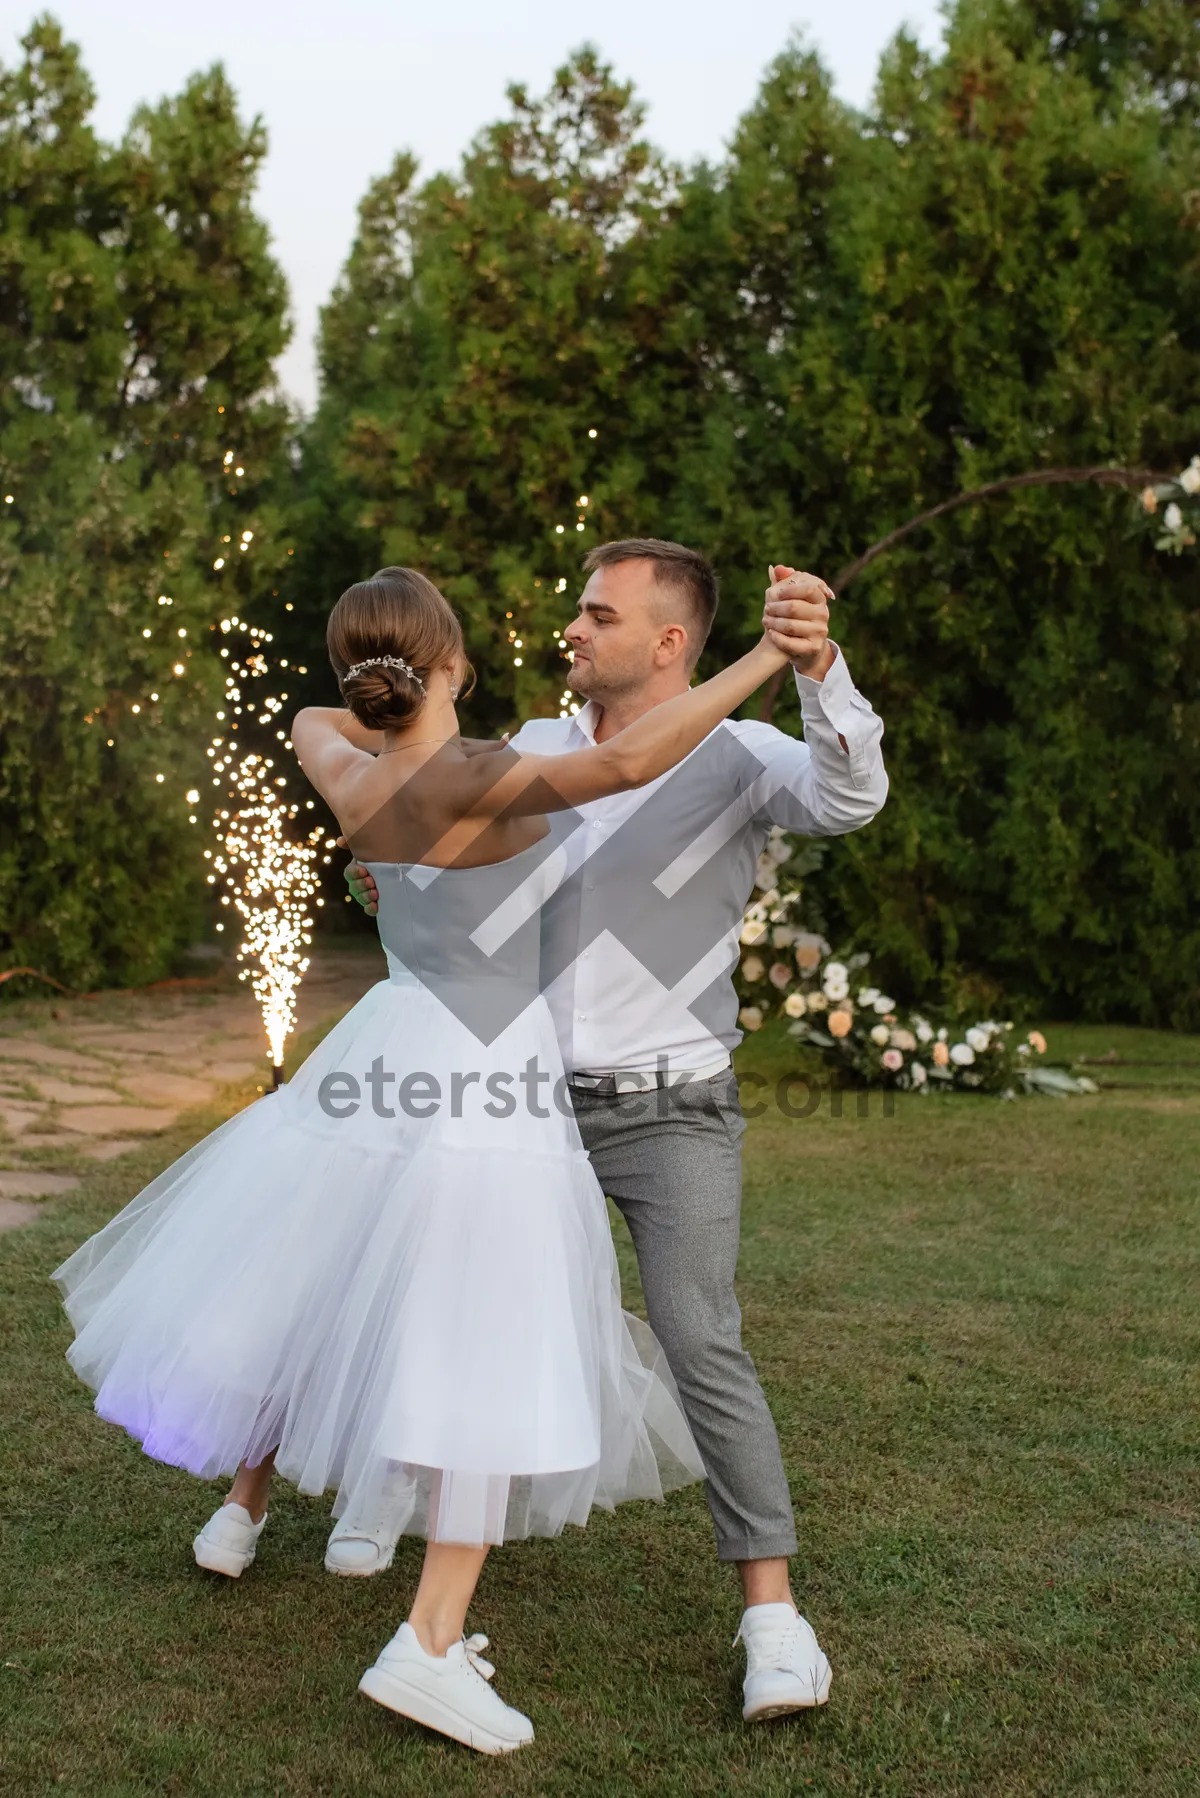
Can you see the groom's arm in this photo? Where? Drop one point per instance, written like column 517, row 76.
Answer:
column 834, row 781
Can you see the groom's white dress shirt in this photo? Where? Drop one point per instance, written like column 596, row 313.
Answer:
column 665, row 871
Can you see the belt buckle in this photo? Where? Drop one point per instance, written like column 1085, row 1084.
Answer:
column 593, row 1083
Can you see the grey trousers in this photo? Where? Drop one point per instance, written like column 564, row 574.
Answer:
column 671, row 1161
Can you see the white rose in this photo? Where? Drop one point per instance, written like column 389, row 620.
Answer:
column 750, row 1017
column 883, row 1004
column 962, row 1055
column 835, row 988
column 978, row 1039
column 752, row 968
column 1173, row 517
column 753, row 931
column 783, row 936
column 838, row 969
column 868, row 995
column 924, row 1032
column 1189, row 480
column 917, row 1072
column 778, row 847
column 795, row 1005
column 942, row 1034
column 880, row 1035
column 764, row 872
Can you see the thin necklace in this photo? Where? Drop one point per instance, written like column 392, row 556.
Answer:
column 419, row 741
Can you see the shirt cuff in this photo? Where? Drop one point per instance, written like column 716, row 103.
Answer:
column 833, row 695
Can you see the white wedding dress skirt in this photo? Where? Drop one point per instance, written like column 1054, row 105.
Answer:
column 420, row 1312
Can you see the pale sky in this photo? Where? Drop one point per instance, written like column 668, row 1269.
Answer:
column 343, row 86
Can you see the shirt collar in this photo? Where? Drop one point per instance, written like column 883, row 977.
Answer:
column 586, row 719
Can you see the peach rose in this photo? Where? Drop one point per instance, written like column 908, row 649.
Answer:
column 1149, row 500
column 1038, row 1041
column 839, row 1023
column 752, row 968
column 941, row 1055
column 892, row 1060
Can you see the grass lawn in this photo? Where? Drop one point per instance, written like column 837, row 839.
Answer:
column 978, row 1327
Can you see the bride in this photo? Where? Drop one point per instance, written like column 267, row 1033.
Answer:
column 394, row 1277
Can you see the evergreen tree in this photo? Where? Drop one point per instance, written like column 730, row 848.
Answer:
column 994, row 272
column 476, row 360
column 140, row 312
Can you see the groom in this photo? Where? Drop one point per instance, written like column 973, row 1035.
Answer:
column 646, row 1013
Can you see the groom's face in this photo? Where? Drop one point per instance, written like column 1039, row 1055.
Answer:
column 624, row 634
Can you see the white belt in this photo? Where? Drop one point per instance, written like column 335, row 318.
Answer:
column 638, row 1080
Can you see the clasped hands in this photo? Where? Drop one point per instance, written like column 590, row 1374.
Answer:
column 796, row 619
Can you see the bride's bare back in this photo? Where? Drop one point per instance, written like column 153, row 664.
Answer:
column 419, row 803
column 399, row 798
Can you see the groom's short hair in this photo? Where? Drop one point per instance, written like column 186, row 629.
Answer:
column 685, row 570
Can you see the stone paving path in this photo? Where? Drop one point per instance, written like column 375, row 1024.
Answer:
column 85, row 1080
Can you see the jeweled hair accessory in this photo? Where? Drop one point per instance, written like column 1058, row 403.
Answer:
column 385, row 662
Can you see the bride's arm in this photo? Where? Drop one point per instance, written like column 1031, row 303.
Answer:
column 329, row 741
column 639, row 753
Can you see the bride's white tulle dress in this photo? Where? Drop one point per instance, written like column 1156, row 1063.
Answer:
column 421, row 1311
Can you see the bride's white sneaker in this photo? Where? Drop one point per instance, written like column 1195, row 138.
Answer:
column 356, row 1552
column 228, row 1541
column 446, row 1692
column 786, row 1669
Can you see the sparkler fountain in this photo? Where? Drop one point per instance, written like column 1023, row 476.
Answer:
column 268, row 870
column 270, row 880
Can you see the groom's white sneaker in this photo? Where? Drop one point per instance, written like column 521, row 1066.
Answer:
column 446, row 1692
column 786, row 1669
column 228, row 1541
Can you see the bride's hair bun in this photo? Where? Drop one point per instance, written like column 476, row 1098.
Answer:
column 385, row 636
column 382, row 694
